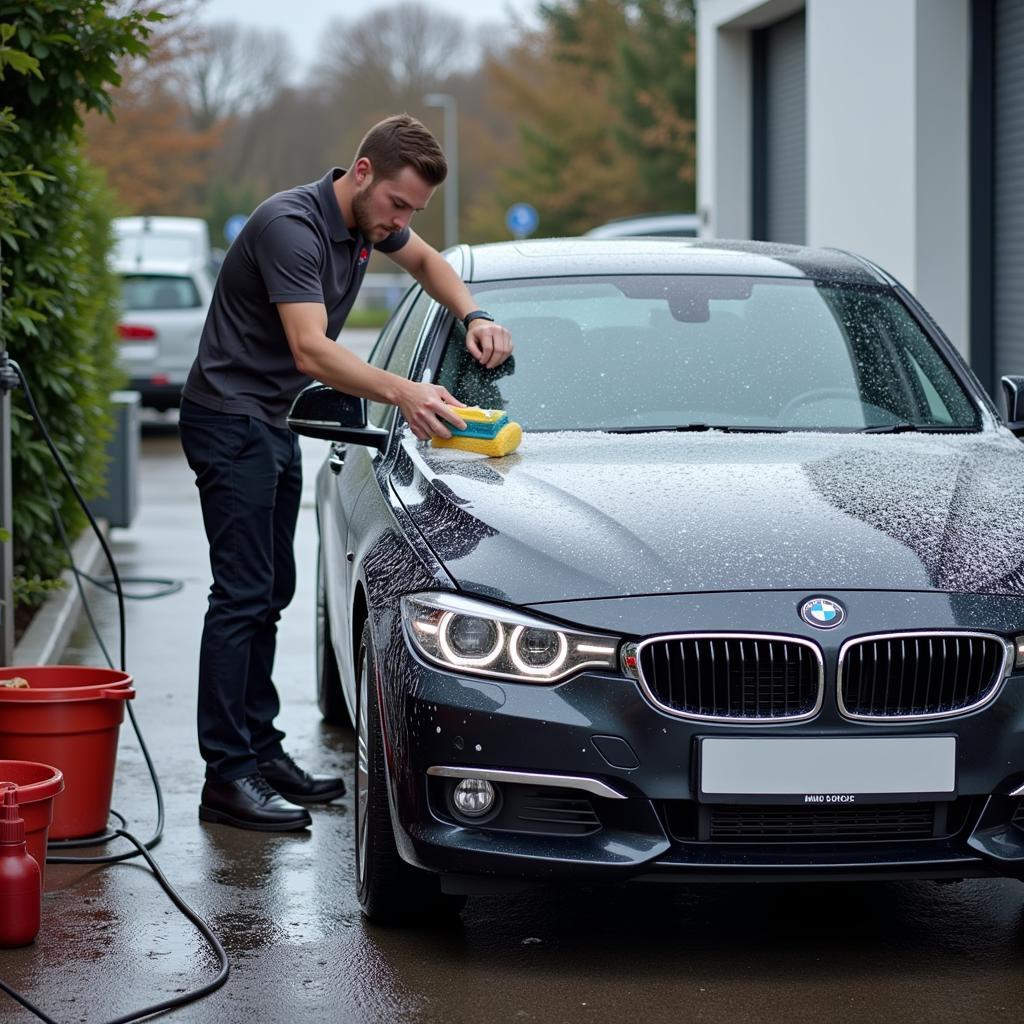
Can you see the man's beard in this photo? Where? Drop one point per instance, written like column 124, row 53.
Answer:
column 364, row 222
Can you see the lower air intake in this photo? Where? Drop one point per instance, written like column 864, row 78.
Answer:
column 821, row 825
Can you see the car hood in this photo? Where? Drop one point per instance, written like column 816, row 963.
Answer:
column 581, row 515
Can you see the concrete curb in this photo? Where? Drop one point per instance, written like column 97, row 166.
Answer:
column 44, row 641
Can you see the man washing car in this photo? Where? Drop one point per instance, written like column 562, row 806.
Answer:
column 286, row 286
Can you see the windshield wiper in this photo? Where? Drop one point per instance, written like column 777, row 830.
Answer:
column 694, row 428
column 892, row 428
column 905, row 428
column 680, row 428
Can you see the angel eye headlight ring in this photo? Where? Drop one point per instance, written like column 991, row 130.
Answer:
column 445, row 643
column 537, row 670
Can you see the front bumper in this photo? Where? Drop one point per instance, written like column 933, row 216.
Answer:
column 599, row 728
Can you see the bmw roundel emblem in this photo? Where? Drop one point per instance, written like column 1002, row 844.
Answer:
column 821, row 612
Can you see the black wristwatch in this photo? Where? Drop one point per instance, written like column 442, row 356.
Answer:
column 476, row 314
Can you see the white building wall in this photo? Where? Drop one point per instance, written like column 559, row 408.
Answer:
column 887, row 134
column 943, row 278
column 861, row 136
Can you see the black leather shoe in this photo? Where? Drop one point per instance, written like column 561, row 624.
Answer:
column 251, row 802
column 295, row 784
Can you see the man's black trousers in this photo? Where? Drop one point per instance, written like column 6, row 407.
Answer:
column 249, row 476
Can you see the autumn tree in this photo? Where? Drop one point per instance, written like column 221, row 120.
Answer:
column 657, row 95
column 155, row 159
column 558, row 82
column 602, row 95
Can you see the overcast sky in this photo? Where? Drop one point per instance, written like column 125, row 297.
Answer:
column 304, row 20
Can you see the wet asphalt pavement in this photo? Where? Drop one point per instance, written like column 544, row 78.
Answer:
column 285, row 909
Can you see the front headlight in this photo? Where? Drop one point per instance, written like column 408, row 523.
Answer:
column 474, row 636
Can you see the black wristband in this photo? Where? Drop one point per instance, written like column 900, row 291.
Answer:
column 476, row 314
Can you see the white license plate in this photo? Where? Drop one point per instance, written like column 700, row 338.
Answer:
column 137, row 352
column 828, row 771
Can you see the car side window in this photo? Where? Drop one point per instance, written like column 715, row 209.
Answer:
column 382, row 346
column 399, row 361
column 936, row 406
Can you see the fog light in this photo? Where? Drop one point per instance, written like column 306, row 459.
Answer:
column 473, row 797
column 1018, row 643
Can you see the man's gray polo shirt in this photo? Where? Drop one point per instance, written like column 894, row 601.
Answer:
column 294, row 248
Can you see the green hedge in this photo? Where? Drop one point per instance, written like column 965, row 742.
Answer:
column 57, row 57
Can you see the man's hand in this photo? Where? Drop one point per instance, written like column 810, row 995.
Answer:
column 488, row 343
column 426, row 407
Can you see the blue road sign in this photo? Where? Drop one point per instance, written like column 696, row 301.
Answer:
column 234, row 224
column 521, row 219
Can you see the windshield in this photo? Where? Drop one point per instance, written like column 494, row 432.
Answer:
column 670, row 352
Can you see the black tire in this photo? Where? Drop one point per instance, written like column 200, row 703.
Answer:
column 329, row 695
column 389, row 890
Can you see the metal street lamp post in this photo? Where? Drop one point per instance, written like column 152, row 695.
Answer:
column 451, row 147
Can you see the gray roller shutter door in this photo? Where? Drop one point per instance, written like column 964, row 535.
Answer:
column 784, row 133
column 1008, row 198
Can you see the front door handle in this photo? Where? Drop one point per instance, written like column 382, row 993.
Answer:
column 336, row 458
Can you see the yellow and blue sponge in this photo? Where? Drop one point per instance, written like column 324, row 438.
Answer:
column 488, row 432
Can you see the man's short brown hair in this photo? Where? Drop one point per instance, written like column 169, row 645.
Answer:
column 402, row 141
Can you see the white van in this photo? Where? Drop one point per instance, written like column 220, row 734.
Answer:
column 178, row 239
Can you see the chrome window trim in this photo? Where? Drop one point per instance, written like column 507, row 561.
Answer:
column 1009, row 653
column 732, row 719
column 592, row 786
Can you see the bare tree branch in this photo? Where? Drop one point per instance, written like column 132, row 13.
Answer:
column 234, row 70
column 393, row 55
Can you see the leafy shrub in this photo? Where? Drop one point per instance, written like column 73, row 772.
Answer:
column 57, row 58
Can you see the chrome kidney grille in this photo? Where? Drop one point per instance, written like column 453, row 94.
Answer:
column 920, row 675
column 732, row 677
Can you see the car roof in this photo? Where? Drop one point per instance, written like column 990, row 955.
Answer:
column 570, row 257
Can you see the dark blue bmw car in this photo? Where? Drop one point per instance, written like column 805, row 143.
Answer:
column 747, row 603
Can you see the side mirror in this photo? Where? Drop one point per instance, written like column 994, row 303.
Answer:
column 1013, row 391
column 320, row 411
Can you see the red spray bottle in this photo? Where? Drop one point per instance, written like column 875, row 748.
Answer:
column 20, row 881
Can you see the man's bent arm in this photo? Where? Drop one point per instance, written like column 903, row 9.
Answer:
column 488, row 343
column 425, row 406
column 435, row 273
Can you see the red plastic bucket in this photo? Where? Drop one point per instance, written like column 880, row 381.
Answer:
column 36, row 786
column 69, row 717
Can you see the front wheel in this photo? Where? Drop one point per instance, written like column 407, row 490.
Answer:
column 390, row 891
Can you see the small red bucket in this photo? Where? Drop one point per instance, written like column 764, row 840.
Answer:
column 36, row 786
column 69, row 716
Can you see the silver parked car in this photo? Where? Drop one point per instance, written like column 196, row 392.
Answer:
column 163, row 309
column 649, row 225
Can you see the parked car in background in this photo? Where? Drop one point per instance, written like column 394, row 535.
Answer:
column 746, row 604
column 163, row 309
column 675, row 225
